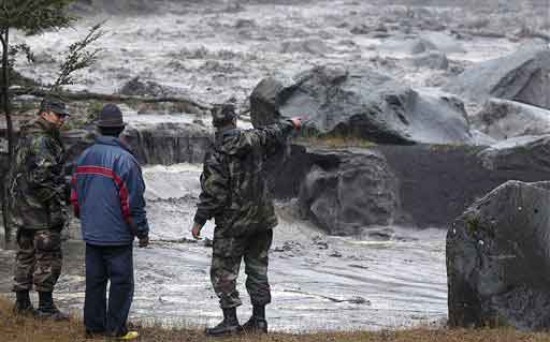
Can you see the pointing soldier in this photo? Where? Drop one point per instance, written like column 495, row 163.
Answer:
column 234, row 193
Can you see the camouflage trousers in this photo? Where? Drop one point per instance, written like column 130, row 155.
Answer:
column 38, row 259
column 227, row 255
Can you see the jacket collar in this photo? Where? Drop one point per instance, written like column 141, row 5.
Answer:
column 41, row 126
column 112, row 141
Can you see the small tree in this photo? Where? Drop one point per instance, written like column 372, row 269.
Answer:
column 33, row 17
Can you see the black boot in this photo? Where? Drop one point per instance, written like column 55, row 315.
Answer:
column 23, row 305
column 47, row 309
column 256, row 323
column 229, row 325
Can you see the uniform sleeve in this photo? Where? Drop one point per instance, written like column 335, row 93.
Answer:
column 44, row 171
column 136, row 191
column 270, row 137
column 215, row 189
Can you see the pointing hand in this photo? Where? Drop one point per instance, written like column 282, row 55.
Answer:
column 196, row 231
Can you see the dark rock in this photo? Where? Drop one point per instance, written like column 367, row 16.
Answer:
column 437, row 183
column 497, row 257
column 432, row 60
column 335, row 254
column 168, row 143
column 523, row 77
column 137, row 87
column 347, row 190
column 502, row 119
column 517, row 154
column 362, row 104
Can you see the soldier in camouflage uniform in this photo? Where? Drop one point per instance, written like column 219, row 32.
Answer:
column 234, row 193
column 38, row 192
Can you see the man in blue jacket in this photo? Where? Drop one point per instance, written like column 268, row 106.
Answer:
column 107, row 196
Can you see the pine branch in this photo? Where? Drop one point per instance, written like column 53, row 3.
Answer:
column 78, row 58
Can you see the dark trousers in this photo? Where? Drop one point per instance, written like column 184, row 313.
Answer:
column 114, row 264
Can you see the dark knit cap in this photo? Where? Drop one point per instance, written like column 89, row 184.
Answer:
column 110, row 117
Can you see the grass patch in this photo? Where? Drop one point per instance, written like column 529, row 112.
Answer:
column 24, row 329
column 335, row 141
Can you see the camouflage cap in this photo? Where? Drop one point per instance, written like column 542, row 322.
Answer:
column 223, row 114
column 55, row 105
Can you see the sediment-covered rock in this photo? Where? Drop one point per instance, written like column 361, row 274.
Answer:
column 498, row 259
column 363, row 104
column 522, row 76
column 503, row 119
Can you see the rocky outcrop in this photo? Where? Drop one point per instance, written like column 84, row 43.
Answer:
column 519, row 157
column 152, row 143
column 503, row 119
column 344, row 191
column 497, row 259
column 168, row 143
column 363, row 104
column 522, row 76
column 418, row 185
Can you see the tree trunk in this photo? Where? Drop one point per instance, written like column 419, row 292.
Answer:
column 4, row 38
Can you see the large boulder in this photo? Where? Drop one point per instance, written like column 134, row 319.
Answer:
column 498, row 257
column 524, row 158
column 523, row 76
column 503, row 119
column 363, row 104
column 347, row 190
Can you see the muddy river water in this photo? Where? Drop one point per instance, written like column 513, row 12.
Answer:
column 392, row 279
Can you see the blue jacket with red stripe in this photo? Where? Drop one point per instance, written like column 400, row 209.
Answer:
column 107, row 194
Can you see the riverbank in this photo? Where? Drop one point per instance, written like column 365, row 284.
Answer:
column 19, row 329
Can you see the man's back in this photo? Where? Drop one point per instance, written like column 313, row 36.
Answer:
column 107, row 183
column 234, row 188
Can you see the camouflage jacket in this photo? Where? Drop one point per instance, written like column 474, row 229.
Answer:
column 37, row 184
column 234, row 191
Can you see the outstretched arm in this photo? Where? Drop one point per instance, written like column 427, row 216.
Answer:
column 272, row 136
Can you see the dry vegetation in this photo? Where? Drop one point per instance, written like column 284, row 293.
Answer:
column 24, row 329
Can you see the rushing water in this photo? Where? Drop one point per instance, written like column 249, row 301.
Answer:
column 318, row 282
